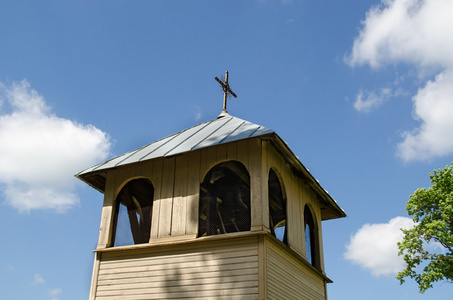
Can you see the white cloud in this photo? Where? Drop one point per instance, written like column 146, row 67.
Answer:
column 412, row 31
column 54, row 293
column 417, row 33
column 374, row 246
column 433, row 105
column 38, row 279
column 40, row 152
column 367, row 101
column 197, row 111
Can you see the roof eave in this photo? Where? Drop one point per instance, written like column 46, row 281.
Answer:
column 330, row 209
column 96, row 180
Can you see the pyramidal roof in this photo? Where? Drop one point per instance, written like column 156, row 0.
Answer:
column 225, row 128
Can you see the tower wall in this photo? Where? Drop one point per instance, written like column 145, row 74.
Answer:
column 237, row 266
column 176, row 264
column 216, row 269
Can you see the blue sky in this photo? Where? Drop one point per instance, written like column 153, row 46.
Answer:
column 360, row 90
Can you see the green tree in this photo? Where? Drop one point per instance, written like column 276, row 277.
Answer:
column 432, row 212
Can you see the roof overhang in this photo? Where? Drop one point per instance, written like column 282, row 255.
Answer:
column 329, row 207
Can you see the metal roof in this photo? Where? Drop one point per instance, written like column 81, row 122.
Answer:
column 223, row 129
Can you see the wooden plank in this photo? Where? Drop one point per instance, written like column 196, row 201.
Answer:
column 105, row 230
column 285, row 175
column 232, row 151
column 95, row 275
column 146, row 170
column 163, row 259
column 218, row 242
column 293, row 287
column 166, row 197
column 157, row 276
column 195, row 264
column 320, row 243
column 211, row 157
column 172, row 239
column 285, row 261
column 178, row 223
column 288, row 278
column 265, row 167
column 298, row 261
column 157, row 182
column 294, row 213
column 262, row 268
column 243, row 153
column 203, row 164
column 193, row 271
column 239, row 288
column 126, row 174
column 190, row 260
column 174, row 280
column 258, row 194
column 303, row 200
column 199, row 296
column 221, row 152
column 225, row 268
column 290, row 189
column 193, row 193
column 281, row 270
column 197, row 261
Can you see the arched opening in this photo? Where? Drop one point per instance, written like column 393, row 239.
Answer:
column 311, row 246
column 225, row 200
column 133, row 212
column 277, row 208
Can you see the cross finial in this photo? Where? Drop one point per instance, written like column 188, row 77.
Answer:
column 226, row 90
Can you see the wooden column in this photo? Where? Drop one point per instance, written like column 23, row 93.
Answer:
column 105, row 230
column 258, row 190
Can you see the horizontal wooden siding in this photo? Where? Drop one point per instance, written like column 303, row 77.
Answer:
column 209, row 272
column 288, row 278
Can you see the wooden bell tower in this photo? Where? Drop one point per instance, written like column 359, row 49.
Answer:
column 221, row 210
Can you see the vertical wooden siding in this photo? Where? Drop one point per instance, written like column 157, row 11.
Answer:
column 288, row 278
column 176, row 182
column 221, row 270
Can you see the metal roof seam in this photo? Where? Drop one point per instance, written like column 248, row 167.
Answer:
column 228, row 135
column 193, row 134
column 104, row 163
column 259, row 126
column 202, row 135
column 171, row 137
column 131, row 153
column 169, row 140
column 95, row 167
column 231, row 118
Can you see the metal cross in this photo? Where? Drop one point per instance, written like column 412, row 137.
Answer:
column 226, row 90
